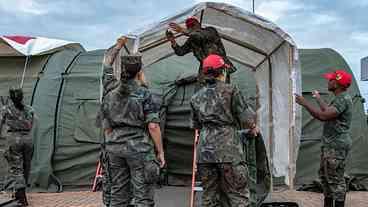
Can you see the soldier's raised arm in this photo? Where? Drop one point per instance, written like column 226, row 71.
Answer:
column 2, row 119
column 112, row 53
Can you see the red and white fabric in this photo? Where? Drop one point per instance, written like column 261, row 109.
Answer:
column 28, row 46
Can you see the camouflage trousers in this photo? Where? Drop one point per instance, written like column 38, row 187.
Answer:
column 19, row 156
column 106, row 180
column 332, row 171
column 224, row 184
column 128, row 182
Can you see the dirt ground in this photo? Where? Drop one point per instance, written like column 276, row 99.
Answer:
column 178, row 197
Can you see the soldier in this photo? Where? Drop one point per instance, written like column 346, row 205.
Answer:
column 109, row 82
column 18, row 119
column 336, row 141
column 201, row 41
column 133, row 144
column 217, row 109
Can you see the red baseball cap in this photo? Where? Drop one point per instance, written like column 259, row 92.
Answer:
column 189, row 22
column 342, row 77
column 213, row 62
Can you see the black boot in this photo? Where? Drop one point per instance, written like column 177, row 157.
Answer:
column 339, row 203
column 328, row 202
column 20, row 196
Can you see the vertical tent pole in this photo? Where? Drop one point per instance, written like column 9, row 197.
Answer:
column 271, row 122
column 253, row 6
column 291, row 120
column 24, row 71
column 194, row 169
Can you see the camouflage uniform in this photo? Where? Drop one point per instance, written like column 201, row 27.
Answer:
column 202, row 43
column 129, row 147
column 18, row 124
column 336, row 144
column 109, row 83
column 216, row 111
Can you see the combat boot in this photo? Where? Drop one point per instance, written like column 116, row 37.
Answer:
column 20, row 196
column 328, row 202
column 339, row 203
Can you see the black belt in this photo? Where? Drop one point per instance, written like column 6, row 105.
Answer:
column 18, row 130
column 217, row 125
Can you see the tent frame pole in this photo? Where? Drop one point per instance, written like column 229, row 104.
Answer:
column 291, row 118
column 24, row 71
column 270, row 105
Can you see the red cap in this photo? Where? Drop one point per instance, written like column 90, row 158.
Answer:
column 189, row 22
column 214, row 62
column 342, row 77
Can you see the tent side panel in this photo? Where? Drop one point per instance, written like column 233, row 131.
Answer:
column 44, row 104
column 77, row 144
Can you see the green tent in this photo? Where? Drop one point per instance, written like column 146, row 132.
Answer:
column 42, row 83
column 316, row 62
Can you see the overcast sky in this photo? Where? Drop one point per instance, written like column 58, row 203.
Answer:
column 338, row 24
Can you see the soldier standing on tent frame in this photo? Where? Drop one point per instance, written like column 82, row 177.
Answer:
column 336, row 140
column 133, row 144
column 201, row 41
column 18, row 119
column 217, row 109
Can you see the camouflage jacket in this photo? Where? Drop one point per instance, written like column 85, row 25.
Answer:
column 15, row 120
column 128, row 115
column 217, row 110
column 203, row 43
column 336, row 133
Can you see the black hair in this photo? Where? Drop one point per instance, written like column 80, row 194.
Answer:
column 132, row 70
column 212, row 74
column 16, row 95
column 128, row 72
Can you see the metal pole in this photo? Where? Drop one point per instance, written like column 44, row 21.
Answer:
column 194, row 169
column 24, row 72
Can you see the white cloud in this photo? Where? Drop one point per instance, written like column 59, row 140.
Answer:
column 322, row 19
column 359, row 3
column 30, row 7
column 276, row 9
column 360, row 37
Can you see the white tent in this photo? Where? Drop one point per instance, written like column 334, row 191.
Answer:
column 258, row 45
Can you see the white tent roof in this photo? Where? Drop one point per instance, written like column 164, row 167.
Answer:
column 28, row 46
